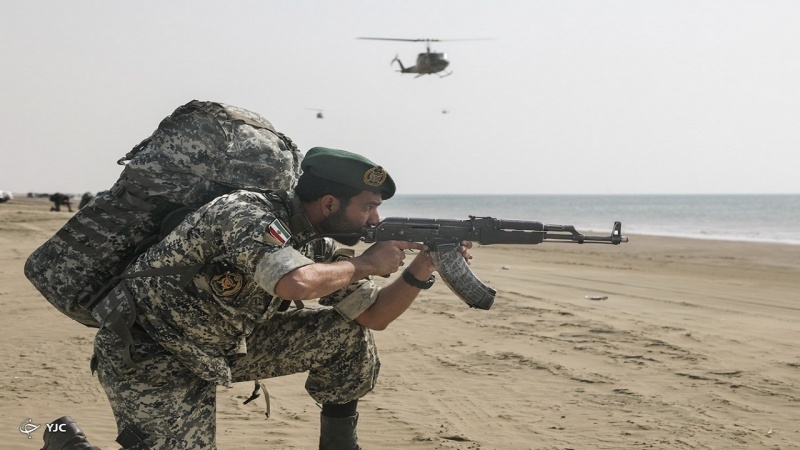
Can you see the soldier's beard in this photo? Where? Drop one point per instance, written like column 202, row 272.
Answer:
column 338, row 222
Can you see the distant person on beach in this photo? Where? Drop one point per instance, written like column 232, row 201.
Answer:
column 231, row 319
column 85, row 198
column 60, row 200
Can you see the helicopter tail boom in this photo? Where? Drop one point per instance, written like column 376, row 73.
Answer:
column 403, row 69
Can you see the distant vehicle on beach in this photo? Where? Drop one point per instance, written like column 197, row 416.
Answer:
column 6, row 196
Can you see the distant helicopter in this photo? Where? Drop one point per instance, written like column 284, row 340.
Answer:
column 429, row 62
column 319, row 112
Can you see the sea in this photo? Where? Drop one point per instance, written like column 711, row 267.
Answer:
column 754, row 218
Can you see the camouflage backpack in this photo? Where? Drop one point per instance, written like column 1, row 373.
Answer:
column 201, row 151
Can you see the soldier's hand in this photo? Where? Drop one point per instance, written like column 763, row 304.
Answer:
column 424, row 262
column 464, row 249
column 386, row 257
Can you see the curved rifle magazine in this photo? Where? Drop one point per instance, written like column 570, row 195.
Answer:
column 457, row 275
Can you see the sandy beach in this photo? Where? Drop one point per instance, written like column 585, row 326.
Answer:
column 693, row 346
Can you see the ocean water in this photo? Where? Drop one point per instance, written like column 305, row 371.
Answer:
column 756, row 218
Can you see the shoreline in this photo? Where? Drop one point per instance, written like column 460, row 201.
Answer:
column 31, row 203
column 693, row 345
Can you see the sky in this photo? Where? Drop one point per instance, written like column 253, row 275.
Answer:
column 558, row 97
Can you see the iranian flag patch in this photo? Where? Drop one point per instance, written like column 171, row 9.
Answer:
column 278, row 231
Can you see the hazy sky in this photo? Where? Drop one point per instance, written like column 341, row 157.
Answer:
column 573, row 97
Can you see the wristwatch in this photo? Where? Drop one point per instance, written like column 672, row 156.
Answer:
column 409, row 278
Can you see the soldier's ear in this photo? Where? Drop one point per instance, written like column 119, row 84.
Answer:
column 330, row 205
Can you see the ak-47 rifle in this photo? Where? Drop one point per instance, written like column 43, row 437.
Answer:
column 443, row 237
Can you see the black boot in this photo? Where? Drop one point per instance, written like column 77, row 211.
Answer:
column 338, row 433
column 72, row 438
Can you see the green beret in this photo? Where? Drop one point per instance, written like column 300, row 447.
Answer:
column 349, row 169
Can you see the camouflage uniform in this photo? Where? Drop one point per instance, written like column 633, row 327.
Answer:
column 224, row 326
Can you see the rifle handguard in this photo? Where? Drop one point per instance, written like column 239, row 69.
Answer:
column 456, row 274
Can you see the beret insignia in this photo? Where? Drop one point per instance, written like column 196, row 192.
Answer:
column 227, row 284
column 375, row 176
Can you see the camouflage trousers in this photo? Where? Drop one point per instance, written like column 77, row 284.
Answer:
column 175, row 409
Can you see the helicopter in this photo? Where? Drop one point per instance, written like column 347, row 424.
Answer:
column 319, row 112
column 428, row 63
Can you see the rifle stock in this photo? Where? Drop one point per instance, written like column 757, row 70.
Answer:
column 443, row 237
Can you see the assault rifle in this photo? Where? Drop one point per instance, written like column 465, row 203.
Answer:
column 443, row 237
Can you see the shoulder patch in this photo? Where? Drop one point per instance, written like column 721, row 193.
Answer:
column 227, row 284
column 277, row 233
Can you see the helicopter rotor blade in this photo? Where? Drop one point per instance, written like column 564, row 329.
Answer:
column 398, row 39
column 423, row 40
column 466, row 39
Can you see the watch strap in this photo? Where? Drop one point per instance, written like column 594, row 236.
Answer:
column 409, row 278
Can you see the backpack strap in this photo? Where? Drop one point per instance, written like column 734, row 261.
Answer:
column 117, row 312
column 113, row 305
column 298, row 223
column 186, row 272
column 234, row 116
